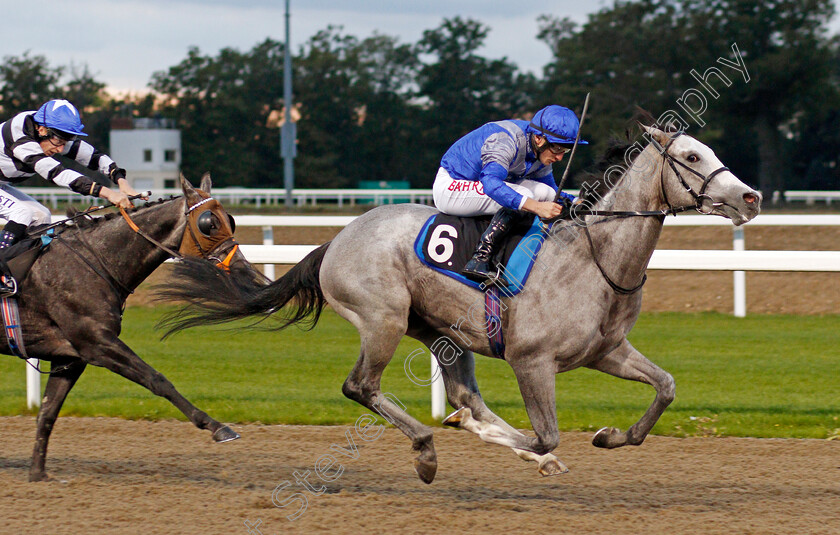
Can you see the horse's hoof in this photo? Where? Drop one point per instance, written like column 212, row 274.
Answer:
column 425, row 469
column 552, row 467
column 225, row 434
column 455, row 419
column 609, row 437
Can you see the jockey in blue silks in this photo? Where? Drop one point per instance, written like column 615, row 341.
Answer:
column 501, row 169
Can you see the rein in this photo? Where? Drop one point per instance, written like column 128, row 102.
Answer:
column 148, row 238
column 699, row 200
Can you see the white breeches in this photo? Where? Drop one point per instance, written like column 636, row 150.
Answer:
column 20, row 207
column 466, row 198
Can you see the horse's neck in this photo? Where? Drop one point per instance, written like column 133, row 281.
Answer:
column 130, row 257
column 624, row 246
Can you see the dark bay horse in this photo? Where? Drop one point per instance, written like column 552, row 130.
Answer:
column 72, row 300
column 576, row 309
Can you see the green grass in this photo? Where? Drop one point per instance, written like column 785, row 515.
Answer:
column 763, row 376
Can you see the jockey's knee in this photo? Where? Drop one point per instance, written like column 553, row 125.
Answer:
column 41, row 216
column 543, row 192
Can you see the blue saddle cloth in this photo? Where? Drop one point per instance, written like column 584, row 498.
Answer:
column 446, row 243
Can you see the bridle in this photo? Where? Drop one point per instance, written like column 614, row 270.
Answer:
column 700, row 199
column 201, row 244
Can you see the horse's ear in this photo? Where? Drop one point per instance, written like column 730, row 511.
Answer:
column 660, row 136
column 190, row 194
column 206, row 183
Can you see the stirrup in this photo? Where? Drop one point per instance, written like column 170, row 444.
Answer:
column 8, row 286
column 488, row 276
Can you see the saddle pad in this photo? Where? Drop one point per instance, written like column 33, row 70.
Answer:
column 11, row 322
column 446, row 243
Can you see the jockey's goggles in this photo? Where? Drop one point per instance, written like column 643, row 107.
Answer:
column 554, row 148
column 64, row 137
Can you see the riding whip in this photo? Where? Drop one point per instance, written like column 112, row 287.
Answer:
column 574, row 148
column 90, row 211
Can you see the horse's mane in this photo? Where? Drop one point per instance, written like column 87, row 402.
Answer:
column 87, row 222
column 591, row 180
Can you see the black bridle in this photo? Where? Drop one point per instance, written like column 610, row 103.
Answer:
column 700, row 199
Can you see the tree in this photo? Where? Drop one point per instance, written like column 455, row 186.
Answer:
column 460, row 90
column 643, row 53
column 27, row 82
column 221, row 105
column 357, row 122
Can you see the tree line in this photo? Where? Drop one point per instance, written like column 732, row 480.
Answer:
column 757, row 81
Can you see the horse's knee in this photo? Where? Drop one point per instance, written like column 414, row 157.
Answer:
column 667, row 392
column 352, row 390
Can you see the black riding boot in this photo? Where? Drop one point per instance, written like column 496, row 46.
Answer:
column 480, row 267
column 10, row 234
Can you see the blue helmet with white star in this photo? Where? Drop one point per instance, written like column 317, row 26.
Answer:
column 61, row 117
column 557, row 124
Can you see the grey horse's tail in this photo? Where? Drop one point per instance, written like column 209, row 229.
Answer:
column 213, row 296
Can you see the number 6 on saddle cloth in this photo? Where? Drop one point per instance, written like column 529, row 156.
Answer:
column 446, row 243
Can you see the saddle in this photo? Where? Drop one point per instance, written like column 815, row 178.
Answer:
column 446, row 243
column 19, row 257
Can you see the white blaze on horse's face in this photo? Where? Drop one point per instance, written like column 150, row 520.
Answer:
column 724, row 194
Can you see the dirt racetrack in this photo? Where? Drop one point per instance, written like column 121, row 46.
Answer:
column 131, row 477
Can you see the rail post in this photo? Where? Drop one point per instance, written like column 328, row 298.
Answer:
column 739, row 278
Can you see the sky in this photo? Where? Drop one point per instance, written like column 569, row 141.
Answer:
column 123, row 42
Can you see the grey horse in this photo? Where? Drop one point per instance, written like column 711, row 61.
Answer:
column 576, row 309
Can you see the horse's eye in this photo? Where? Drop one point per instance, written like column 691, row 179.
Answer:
column 693, row 158
column 207, row 223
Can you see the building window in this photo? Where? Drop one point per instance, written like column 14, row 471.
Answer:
column 169, row 155
column 169, row 183
column 147, row 155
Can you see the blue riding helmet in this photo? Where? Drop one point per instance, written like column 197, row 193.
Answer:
column 557, row 124
column 61, row 117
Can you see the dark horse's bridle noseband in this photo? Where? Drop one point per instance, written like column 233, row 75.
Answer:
column 700, row 199
column 202, row 245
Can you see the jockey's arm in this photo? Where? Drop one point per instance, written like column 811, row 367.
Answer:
column 544, row 209
column 492, row 179
column 87, row 155
column 117, row 198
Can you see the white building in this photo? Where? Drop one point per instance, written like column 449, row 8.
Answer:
column 149, row 150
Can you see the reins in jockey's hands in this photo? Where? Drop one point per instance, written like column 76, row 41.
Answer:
column 122, row 198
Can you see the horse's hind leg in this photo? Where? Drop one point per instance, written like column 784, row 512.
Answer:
column 58, row 386
column 472, row 414
column 626, row 362
column 379, row 342
column 110, row 352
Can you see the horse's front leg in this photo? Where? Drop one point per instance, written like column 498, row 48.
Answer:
column 626, row 362
column 110, row 352
column 58, row 386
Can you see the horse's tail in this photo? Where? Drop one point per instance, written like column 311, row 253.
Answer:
column 214, row 297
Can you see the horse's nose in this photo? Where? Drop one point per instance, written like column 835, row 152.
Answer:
column 752, row 197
